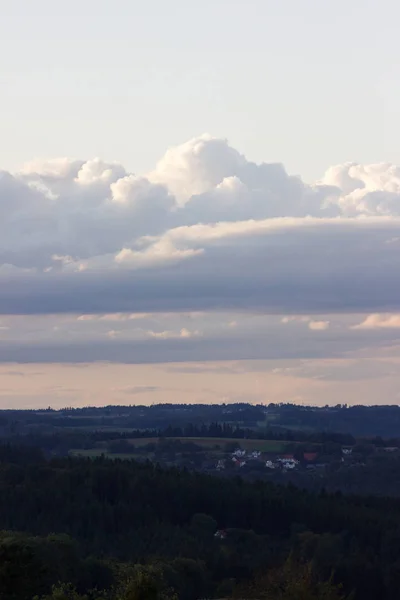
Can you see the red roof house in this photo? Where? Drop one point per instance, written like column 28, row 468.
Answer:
column 310, row 456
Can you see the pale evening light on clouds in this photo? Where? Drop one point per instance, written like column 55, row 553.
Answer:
column 191, row 266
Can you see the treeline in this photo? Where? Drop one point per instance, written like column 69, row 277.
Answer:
column 358, row 420
column 60, row 442
column 129, row 513
column 145, row 417
column 227, row 430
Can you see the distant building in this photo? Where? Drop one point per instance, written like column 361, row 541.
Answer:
column 288, row 463
column 220, row 534
column 239, row 453
column 255, row 454
column 239, row 462
column 310, row 456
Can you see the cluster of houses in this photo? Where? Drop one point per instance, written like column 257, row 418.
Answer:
column 241, row 458
column 310, row 461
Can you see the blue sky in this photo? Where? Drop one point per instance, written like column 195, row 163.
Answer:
column 307, row 83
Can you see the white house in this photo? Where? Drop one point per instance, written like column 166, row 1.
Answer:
column 239, row 453
column 288, row 463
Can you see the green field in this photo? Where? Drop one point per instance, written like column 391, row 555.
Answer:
column 96, row 452
column 210, row 443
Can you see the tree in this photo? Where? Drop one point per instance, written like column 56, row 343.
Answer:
column 203, row 525
column 293, row 581
column 63, row 591
column 231, row 447
column 22, row 574
column 145, row 583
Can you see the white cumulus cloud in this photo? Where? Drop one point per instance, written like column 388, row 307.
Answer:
column 318, row 325
column 378, row 321
column 206, row 229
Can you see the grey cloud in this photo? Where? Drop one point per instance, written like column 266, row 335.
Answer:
column 276, row 345
column 206, row 368
column 15, row 373
column 289, row 266
column 140, row 389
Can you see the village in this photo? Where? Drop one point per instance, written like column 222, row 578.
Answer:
column 286, row 462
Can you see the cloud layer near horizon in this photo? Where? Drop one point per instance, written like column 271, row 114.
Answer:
column 208, row 257
column 205, row 230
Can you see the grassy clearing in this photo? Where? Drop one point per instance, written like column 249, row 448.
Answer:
column 210, row 443
column 91, row 428
column 96, row 452
column 92, row 453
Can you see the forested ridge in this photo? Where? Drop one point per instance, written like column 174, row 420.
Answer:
column 118, row 515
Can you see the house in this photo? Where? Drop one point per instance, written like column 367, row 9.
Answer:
column 255, row 454
column 288, row 463
column 221, row 534
column 239, row 453
column 239, row 462
column 284, row 459
column 310, row 456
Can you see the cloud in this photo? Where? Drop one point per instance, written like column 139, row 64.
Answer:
column 286, row 265
column 174, row 345
column 139, row 389
column 366, row 189
column 295, row 318
column 314, row 325
column 114, row 317
column 15, row 373
column 318, row 325
column 378, row 321
column 197, row 167
column 169, row 335
column 160, row 252
column 112, row 334
column 206, row 229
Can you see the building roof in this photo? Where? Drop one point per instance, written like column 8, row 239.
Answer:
column 310, row 456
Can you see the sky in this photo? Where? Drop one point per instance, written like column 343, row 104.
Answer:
column 199, row 202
